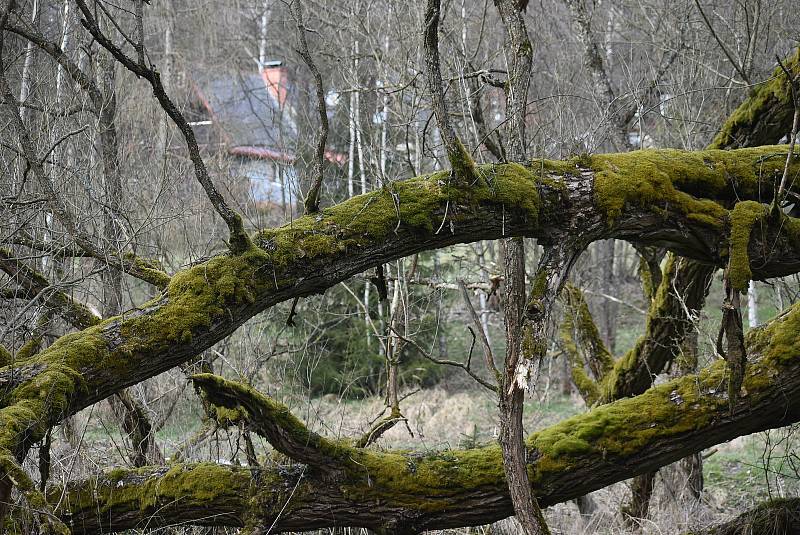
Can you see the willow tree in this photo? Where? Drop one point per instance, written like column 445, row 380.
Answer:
column 719, row 208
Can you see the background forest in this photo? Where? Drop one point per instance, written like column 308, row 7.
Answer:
column 404, row 343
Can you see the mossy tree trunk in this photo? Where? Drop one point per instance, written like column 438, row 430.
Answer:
column 521, row 358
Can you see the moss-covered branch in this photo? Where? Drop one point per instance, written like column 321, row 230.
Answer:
column 763, row 117
column 578, row 322
column 682, row 292
column 766, row 111
column 394, row 490
column 273, row 421
column 548, row 200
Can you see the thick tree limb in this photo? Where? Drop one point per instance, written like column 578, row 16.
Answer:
column 273, row 421
column 408, row 492
column 683, row 292
column 603, row 196
column 766, row 112
column 579, row 319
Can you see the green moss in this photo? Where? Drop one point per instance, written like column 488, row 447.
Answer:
column 268, row 417
column 777, row 340
column 149, row 270
column 764, row 96
column 29, row 349
column 36, row 501
column 195, row 298
column 588, row 332
column 586, row 386
column 612, row 432
column 577, row 309
column 411, row 480
column 512, row 185
column 195, row 484
column 423, row 203
column 6, row 357
column 743, row 218
column 568, row 446
column 544, row 167
column 32, row 406
column 683, row 182
column 647, row 279
column 622, row 428
column 463, row 165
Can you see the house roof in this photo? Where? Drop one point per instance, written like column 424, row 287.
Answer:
column 247, row 111
column 254, row 113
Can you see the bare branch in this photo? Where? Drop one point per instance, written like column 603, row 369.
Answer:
column 239, row 240
column 460, row 161
column 312, row 199
column 476, row 321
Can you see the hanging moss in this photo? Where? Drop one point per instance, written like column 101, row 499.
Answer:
column 743, row 218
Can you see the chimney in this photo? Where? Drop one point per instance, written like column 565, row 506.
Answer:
column 275, row 78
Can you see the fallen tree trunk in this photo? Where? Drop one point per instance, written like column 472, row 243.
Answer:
column 400, row 492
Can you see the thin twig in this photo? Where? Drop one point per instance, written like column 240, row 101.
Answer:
column 487, row 349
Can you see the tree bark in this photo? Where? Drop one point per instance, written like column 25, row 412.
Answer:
column 512, row 394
